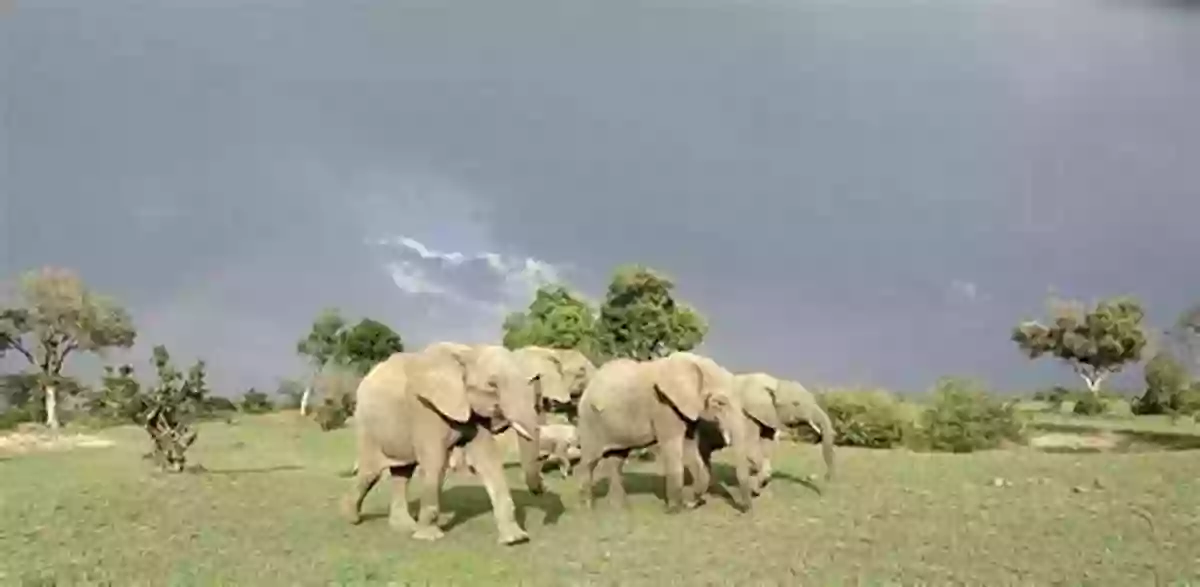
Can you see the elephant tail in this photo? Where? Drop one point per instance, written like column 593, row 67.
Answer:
column 827, row 439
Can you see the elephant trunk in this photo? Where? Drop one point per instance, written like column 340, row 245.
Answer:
column 524, row 421
column 827, row 438
column 733, row 429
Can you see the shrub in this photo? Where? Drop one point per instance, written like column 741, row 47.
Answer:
column 962, row 417
column 13, row 417
column 1088, row 404
column 336, row 385
column 870, row 419
column 256, row 402
column 1167, row 388
column 1055, row 396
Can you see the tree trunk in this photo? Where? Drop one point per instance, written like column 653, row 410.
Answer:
column 1093, row 382
column 304, row 400
column 51, row 393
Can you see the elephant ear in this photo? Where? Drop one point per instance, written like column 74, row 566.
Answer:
column 758, row 400
column 680, row 380
column 439, row 380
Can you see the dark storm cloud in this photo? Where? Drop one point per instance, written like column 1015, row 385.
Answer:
column 852, row 193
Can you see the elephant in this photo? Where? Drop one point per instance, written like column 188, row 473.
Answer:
column 560, row 376
column 633, row 404
column 569, row 372
column 768, row 406
column 557, row 443
column 413, row 408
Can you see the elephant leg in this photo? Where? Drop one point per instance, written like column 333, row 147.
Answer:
column 701, row 478
column 564, row 460
column 487, row 461
column 430, row 472
column 670, row 453
column 365, row 478
column 587, row 475
column 398, row 516
column 758, row 466
column 616, row 478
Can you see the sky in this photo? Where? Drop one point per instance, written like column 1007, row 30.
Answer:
column 864, row 192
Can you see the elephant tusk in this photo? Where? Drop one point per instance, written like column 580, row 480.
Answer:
column 728, row 439
column 521, row 430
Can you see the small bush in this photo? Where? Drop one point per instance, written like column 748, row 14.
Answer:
column 963, row 418
column 1088, row 404
column 869, row 419
column 256, row 402
column 336, row 385
column 13, row 417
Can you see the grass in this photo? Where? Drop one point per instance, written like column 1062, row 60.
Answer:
column 265, row 513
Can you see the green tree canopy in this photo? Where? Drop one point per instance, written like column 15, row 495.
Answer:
column 55, row 314
column 332, row 341
column 1096, row 342
column 640, row 318
column 1166, row 383
column 557, row 319
column 367, row 343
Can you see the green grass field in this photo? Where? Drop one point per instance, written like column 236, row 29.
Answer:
column 264, row 513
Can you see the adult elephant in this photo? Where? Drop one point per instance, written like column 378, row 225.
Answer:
column 636, row 404
column 768, row 405
column 565, row 374
column 560, row 376
column 413, row 408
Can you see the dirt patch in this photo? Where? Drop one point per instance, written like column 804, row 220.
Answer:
column 27, row 441
column 1067, row 441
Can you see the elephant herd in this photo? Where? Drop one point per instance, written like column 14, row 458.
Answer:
column 415, row 410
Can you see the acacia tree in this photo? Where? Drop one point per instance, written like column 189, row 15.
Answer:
column 557, row 319
column 319, row 347
column 640, row 319
column 54, row 315
column 1096, row 342
column 357, row 347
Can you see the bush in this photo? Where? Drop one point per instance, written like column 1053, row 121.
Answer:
column 13, row 417
column 1089, row 404
column 963, row 418
column 256, row 402
column 336, row 385
column 870, row 419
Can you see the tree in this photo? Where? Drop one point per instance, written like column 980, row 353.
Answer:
column 120, row 396
column 170, row 409
column 358, row 347
column 55, row 315
column 640, row 319
column 1096, row 342
column 1185, row 334
column 320, row 346
column 1167, row 383
column 557, row 319
column 256, row 402
column 368, row 343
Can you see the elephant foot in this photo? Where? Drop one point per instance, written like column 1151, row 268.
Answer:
column 428, row 533
column 350, row 511
column 513, row 536
column 694, row 503
column 674, row 508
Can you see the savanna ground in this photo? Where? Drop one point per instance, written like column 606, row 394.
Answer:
column 264, row 512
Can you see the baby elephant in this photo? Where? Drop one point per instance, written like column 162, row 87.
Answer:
column 558, row 443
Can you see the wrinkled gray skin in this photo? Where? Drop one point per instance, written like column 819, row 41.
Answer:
column 413, row 408
column 630, row 405
column 768, row 405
